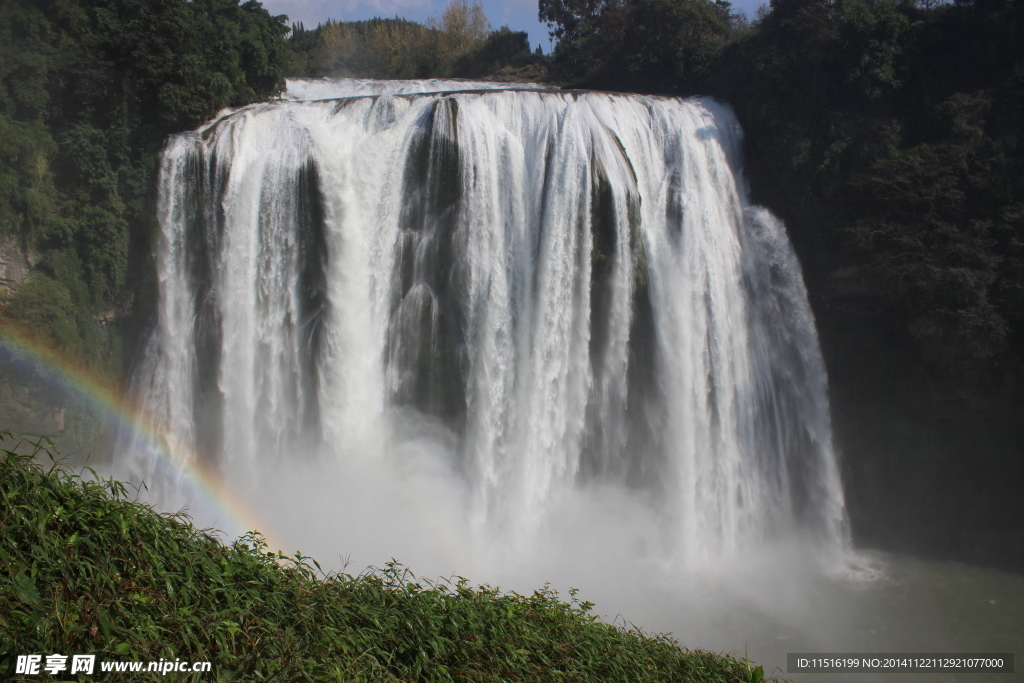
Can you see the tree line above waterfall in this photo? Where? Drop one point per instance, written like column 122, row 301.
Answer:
column 456, row 43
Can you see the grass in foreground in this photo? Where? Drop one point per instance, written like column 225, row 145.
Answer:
column 85, row 569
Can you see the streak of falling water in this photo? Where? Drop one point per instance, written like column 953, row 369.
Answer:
column 556, row 292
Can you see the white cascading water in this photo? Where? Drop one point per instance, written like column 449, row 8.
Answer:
column 563, row 291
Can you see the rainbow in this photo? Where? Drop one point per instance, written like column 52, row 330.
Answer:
column 207, row 487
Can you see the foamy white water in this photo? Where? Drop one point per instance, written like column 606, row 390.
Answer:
column 471, row 321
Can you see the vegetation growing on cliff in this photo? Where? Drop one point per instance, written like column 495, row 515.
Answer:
column 887, row 133
column 89, row 90
column 83, row 569
column 890, row 133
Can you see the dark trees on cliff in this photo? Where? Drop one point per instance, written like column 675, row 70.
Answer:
column 887, row 133
column 664, row 46
column 89, row 89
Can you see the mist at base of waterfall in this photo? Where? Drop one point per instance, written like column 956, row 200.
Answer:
column 764, row 602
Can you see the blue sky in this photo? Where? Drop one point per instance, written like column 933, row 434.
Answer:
column 520, row 15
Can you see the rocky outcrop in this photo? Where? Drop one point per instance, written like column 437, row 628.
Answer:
column 18, row 419
column 27, row 413
column 14, row 265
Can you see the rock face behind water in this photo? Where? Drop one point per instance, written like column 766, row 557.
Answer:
column 28, row 421
column 14, row 265
column 571, row 287
column 27, row 418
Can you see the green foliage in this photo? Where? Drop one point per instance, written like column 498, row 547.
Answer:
column 83, row 569
column 89, row 90
column 662, row 46
column 457, row 43
column 378, row 48
column 502, row 48
column 459, row 29
column 26, row 186
column 936, row 255
column 888, row 136
column 45, row 305
column 55, row 303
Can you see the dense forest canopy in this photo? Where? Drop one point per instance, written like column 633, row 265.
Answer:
column 890, row 136
column 662, row 46
column 887, row 133
column 89, row 90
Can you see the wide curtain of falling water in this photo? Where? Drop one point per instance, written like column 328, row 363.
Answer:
column 571, row 286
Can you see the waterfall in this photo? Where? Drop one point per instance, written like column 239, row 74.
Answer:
column 563, row 289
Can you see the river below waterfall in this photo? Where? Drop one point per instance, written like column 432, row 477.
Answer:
column 912, row 606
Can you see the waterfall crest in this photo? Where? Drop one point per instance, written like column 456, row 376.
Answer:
column 566, row 289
